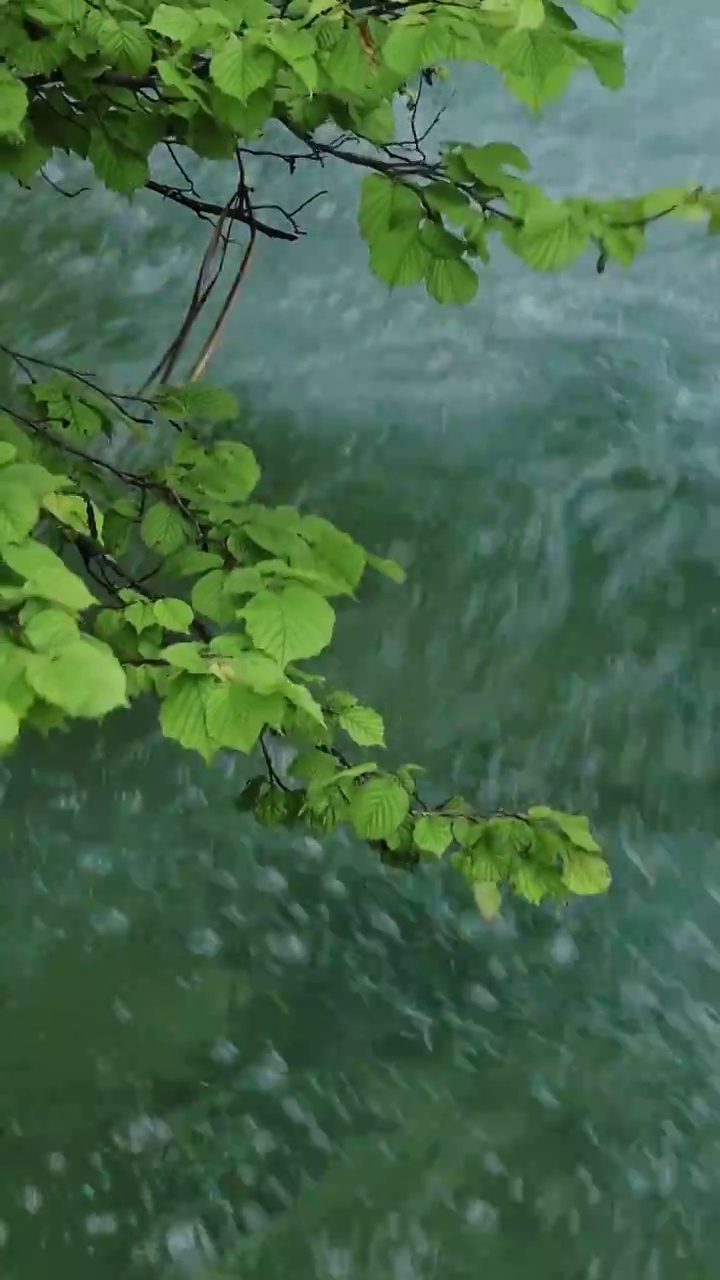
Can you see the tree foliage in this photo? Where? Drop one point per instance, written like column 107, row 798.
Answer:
column 173, row 581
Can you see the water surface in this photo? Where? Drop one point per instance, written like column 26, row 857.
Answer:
column 222, row 1048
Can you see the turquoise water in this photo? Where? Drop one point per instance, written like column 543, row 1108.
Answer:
column 227, row 1052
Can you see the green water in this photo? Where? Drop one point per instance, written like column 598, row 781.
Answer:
column 233, row 1053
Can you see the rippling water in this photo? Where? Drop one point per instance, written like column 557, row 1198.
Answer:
column 228, row 1052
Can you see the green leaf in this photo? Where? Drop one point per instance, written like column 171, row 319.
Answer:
column 440, row 242
column 164, row 528
column 244, row 582
column 488, row 163
column 51, row 629
column 314, row 766
column 126, row 43
column 47, row 576
column 177, row 24
column 72, row 510
column 84, row 679
column 530, row 14
column 531, row 881
column 240, row 67
column 551, row 237
column 389, row 568
column 399, row 258
column 302, row 698
column 574, row 825
column 488, row 899
column 13, row 103
column 289, row 624
column 378, row 807
column 386, row 205
column 208, row 597
column 347, row 64
column 433, row 834
column 363, row 725
column 451, row 281
column 403, row 50
column 606, row 58
column 19, row 510
column 335, row 556
column 585, row 873
column 296, row 46
column 120, row 169
column 445, row 198
column 236, row 715
column 199, row 400
column 182, row 714
column 256, row 670
column 377, row 125
column 533, row 54
column 230, row 472
column 187, row 657
column 9, row 725
column 172, row 614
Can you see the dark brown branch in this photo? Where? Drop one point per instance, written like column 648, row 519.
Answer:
column 207, row 207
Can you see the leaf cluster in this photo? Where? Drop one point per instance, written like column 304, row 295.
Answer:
column 177, row 583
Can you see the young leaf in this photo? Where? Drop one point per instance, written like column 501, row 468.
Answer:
column 289, row 624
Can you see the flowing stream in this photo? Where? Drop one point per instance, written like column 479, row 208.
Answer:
column 228, row 1053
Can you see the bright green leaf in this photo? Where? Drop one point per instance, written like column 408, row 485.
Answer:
column 240, row 67
column 363, row 725
column 289, row 624
column 586, row 873
column 51, row 629
column 84, row 679
column 182, row 714
column 172, row 614
column 433, row 834
column 9, row 725
column 13, row 102
column 164, row 528
column 488, row 899
column 378, row 807
column 451, row 281
column 236, row 715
